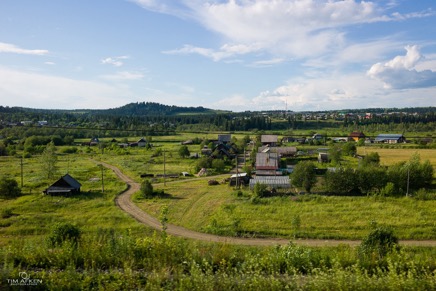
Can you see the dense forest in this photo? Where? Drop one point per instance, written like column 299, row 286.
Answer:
column 150, row 119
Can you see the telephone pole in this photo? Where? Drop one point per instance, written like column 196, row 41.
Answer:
column 21, row 166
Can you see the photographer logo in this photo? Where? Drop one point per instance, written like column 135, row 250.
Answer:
column 24, row 280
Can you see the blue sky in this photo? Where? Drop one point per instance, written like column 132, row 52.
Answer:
column 236, row 55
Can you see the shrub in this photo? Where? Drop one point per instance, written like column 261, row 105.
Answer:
column 259, row 190
column 147, row 189
column 6, row 213
column 62, row 232
column 9, row 188
column 379, row 242
column 304, row 175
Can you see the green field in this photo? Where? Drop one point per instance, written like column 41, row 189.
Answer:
column 115, row 252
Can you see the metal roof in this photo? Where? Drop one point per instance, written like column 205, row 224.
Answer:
column 267, row 161
column 268, row 138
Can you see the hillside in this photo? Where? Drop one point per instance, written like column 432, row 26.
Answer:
column 131, row 109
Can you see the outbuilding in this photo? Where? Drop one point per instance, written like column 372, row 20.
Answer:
column 66, row 185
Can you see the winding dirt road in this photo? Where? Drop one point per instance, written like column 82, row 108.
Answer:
column 124, row 202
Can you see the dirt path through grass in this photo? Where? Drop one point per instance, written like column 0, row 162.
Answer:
column 124, row 201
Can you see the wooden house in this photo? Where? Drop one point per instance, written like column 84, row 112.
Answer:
column 269, row 139
column 224, row 138
column 142, row 143
column 66, row 185
column 390, row 138
column 356, row 135
column 267, row 164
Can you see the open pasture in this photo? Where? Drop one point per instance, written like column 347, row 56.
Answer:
column 389, row 156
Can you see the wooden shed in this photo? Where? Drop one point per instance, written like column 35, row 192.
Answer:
column 66, row 185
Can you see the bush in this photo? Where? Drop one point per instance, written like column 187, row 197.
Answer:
column 9, row 188
column 379, row 242
column 6, row 213
column 259, row 190
column 64, row 231
column 147, row 189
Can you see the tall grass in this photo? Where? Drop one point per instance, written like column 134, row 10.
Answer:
column 114, row 260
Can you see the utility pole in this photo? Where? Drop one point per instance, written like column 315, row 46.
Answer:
column 408, row 181
column 21, row 166
column 164, row 169
column 102, row 178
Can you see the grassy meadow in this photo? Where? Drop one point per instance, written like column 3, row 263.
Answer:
column 115, row 252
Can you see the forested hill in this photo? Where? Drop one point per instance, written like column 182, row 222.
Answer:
column 131, row 109
column 154, row 109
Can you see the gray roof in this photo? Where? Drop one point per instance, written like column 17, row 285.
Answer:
column 268, row 138
column 267, row 161
column 224, row 137
column 389, row 136
column 71, row 181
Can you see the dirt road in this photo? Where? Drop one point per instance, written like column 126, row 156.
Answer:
column 124, row 202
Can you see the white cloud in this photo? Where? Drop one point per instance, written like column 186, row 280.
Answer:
column 224, row 52
column 124, row 75
column 30, row 89
column 282, row 28
column 10, row 48
column 114, row 61
column 401, row 73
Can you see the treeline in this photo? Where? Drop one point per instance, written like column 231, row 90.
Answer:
column 155, row 119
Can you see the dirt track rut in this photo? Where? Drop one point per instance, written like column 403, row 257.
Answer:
column 124, row 202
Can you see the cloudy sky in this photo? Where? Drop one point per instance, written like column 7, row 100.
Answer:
column 236, row 54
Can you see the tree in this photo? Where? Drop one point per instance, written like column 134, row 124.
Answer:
column 147, row 189
column 341, row 181
column 49, row 161
column 349, row 149
column 9, row 188
column 304, row 175
column 218, row 165
column 335, row 153
column 371, row 159
column 184, row 151
column 371, row 178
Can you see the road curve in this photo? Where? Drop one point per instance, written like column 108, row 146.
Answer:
column 124, row 202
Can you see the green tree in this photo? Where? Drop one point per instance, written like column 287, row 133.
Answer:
column 147, row 189
column 371, row 178
column 184, row 151
column 349, row 149
column 341, row 181
column 335, row 153
column 371, row 159
column 9, row 188
column 49, row 161
column 218, row 165
column 304, row 175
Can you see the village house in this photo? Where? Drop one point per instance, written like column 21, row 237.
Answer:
column 269, row 139
column 66, row 185
column 356, row 135
column 390, row 138
column 267, row 164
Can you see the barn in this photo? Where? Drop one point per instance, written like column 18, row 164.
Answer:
column 66, row 185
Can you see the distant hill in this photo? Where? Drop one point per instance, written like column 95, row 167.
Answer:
column 131, row 109
column 155, row 109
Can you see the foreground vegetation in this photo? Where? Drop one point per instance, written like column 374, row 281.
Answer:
column 117, row 260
